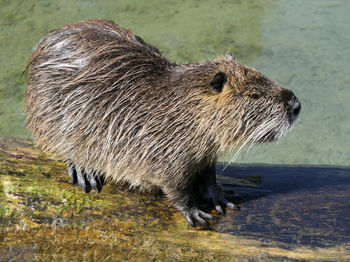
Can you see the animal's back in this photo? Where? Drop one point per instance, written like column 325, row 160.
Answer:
column 89, row 92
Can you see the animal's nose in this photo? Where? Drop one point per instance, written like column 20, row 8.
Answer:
column 291, row 101
column 294, row 105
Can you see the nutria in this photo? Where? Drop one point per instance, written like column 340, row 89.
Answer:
column 114, row 108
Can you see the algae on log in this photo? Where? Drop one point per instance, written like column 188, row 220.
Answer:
column 289, row 213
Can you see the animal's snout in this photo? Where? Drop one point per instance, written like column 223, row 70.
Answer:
column 294, row 105
column 291, row 102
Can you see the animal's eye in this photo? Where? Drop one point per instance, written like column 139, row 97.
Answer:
column 254, row 96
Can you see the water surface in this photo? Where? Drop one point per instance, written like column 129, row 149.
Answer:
column 304, row 45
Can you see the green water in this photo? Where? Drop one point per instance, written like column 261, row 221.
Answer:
column 304, row 45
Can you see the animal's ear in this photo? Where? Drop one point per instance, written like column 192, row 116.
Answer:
column 229, row 55
column 218, row 81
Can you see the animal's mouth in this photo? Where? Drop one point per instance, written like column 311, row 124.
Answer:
column 269, row 137
column 284, row 128
column 292, row 118
column 294, row 107
column 279, row 131
column 270, row 127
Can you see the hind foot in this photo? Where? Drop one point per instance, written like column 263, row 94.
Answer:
column 86, row 180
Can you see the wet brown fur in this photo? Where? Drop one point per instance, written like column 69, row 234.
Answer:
column 106, row 101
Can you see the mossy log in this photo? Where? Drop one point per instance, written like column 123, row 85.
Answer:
column 287, row 213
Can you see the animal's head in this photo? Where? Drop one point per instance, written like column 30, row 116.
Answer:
column 247, row 107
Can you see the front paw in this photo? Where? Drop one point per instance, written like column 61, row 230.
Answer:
column 218, row 199
column 196, row 216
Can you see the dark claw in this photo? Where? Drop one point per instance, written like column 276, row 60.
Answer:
column 96, row 182
column 219, row 201
column 83, row 182
column 86, row 180
column 219, row 209
column 194, row 216
column 189, row 219
column 232, row 206
column 91, row 180
column 206, row 215
column 72, row 174
column 100, row 181
column 199, row 219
